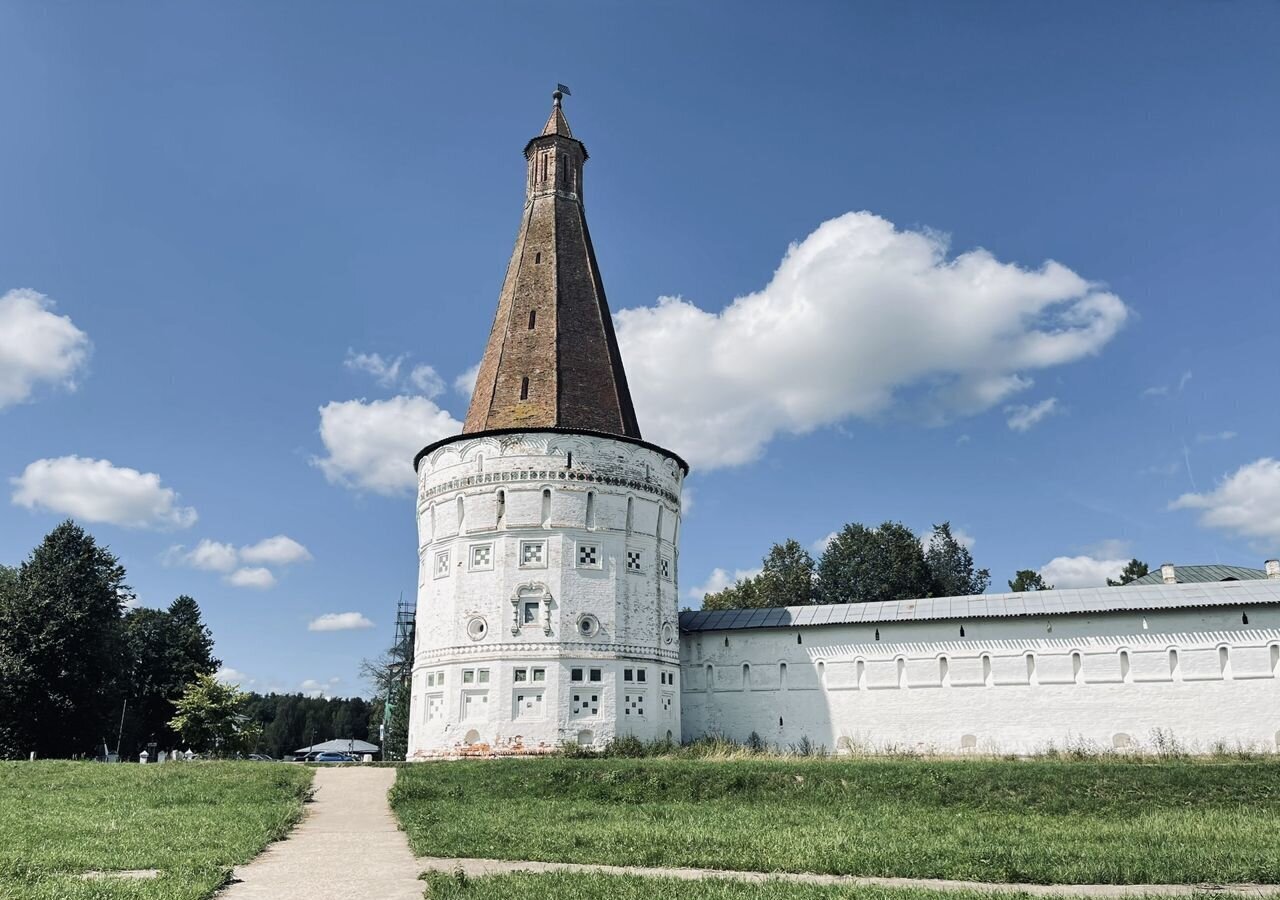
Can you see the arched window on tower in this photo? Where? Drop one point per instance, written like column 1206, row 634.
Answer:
column 591, row 509
column 630, row 512
column 502, row 506
column 533, row 319
column 524, row 388
column 546, row 507
column 462, row 512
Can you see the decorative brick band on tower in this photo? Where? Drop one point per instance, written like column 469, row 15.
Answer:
column 548, row 530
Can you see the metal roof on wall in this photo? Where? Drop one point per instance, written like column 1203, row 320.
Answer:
column 1201, row 574
column 1068, row 601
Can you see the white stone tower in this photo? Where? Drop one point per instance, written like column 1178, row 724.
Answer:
column 548, row 530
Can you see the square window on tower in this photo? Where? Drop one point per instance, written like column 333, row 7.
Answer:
column 634, row 561
column 588, row 556
column 533, row 554
column 442, row 564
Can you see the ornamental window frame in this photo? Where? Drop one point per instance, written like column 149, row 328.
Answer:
column 480, row 557
column 525, row 562
column 440, row 567
column 588, row 555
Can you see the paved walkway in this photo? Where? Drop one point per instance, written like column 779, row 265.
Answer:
column 348, row 845
column 481, row 867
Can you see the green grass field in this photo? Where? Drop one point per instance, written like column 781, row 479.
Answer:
column 192, row 821
column 557, row 886
column 1124, row 822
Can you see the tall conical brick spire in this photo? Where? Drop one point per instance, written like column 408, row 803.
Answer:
column 552, row 360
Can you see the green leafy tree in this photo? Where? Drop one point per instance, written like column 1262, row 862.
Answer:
column 951, row 565
column 61, row 656
column 739, row 595
column 212, row 718
column 864, row 564
column 166, row 649
column 1133, row 570
column 396, row 742
column 1028, row 580
column 786, row 579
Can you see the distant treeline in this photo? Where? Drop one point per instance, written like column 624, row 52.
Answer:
column 292, row 721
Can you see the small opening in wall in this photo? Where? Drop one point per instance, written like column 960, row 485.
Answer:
column 537, row 259
column 533, row 319
column 779, row 721
column 782, row 675
column 1124, row 665
column 710, row 678
column 568, row 460
column 746, row 677
column 524, row 388
column 1173, row 663
column 944, row 671
column 631, row 503
column 726, row 640
column 987, row 678
column 1244, row 618
column 877, row 634
column 1224, row 661
column 798, row 638
column 546, row 507
column 462, row 513
column 502, row 505
column 591, row 509
column 1076, row 667
column 961, row 631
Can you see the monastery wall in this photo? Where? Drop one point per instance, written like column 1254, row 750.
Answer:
column 1205, row 677
column 546, row 595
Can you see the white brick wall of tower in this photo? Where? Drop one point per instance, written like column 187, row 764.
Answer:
column 547, row 595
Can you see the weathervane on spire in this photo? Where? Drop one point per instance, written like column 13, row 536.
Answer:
column 559, row 94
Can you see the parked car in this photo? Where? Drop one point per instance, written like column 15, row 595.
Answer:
column 331, row 758
column 260, row 757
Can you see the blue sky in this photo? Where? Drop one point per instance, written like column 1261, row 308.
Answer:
column 217, row 220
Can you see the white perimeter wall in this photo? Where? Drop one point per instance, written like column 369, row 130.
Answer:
column 1016, row 685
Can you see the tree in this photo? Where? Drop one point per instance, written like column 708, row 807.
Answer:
column 1028, row 580
column 167, row 649
column 395, row 743
column 60, row 646
column 951, row 565
column 863, row 564
column 1133, row 570
column 212, row 718
column 786, row 579
column 739, row 595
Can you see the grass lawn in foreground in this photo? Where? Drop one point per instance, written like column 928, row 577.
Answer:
column 565, row 886
column 1122, row 821
column 192, row 821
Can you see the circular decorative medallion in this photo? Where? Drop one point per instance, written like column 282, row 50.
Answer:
column 668, row 633
column 477, row 628
column 588, row 625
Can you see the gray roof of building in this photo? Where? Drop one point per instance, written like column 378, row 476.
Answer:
column 341, row 745
column 1130, row 598
column 1202, row 574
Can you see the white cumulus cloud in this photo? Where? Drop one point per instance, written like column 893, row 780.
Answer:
column 1024, row 418
column 347, row 621
column 280, row 550
column 211, row 556
column 719, row 579
column 390, row 372
column 1081, row 571
column 95, row 490
column 859, row 316
column 1245, row 503
column 371, row 444
column 37, row 346
column 252, row 577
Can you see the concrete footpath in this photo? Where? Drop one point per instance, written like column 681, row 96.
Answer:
column 347, row 845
